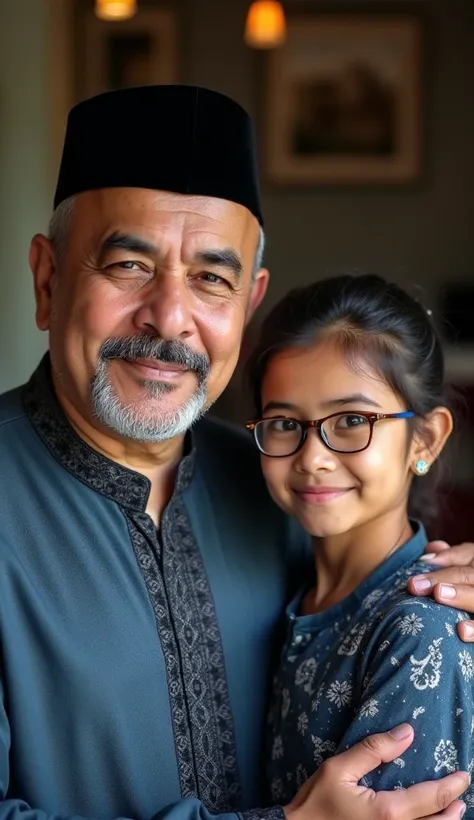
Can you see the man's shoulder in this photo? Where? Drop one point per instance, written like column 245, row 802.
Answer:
column 11, row 410
column 221, row 428
column 228, row 456
column 224, row 440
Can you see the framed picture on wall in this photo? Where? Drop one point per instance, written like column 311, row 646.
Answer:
column 343, row 100
column 139, row 51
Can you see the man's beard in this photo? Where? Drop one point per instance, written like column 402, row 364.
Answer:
column 133, row 422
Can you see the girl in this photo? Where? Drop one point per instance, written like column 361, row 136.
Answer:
column 348, row 383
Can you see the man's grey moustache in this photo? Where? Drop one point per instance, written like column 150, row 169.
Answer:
column 144, row 347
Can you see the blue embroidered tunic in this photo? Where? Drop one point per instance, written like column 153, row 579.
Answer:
column 135, row 662
column 378, row 658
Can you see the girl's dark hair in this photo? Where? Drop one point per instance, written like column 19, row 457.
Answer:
column 372, row 320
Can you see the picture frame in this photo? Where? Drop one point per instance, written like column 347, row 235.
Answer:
column 343, row 101
column 138, row 51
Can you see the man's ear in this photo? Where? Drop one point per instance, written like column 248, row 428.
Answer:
column 430, row 440
column 42, row 258
column 257, row 293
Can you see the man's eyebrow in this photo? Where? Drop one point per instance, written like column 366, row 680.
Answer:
column 226, row 258
column 128, row 242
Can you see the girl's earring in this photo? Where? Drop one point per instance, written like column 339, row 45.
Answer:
column 422, row 467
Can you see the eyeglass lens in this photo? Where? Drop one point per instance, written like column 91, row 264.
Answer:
column 346, row 432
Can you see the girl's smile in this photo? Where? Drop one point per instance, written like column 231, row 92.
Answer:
column 312, row 494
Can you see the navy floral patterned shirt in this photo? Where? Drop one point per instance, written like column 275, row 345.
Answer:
column 378, row 658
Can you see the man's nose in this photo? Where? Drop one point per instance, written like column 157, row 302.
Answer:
column 167, row 311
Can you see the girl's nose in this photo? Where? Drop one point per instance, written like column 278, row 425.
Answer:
column 314, row 455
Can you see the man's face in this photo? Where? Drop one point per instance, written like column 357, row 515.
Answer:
column 147, row 305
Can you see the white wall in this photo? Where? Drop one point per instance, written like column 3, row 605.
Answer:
column 25, row 178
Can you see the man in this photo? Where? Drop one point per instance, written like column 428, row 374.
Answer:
column 144, row 568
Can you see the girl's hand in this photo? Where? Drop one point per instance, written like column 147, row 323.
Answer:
column 334, row 793
column 453, row 586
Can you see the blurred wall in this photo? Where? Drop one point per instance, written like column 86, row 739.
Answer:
column 421, row 234
column 25, row 177
column 424, row 233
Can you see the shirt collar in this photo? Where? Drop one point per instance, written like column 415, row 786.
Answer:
column 128, row 488
column 386, row 577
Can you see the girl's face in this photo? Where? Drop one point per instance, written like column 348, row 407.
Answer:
column 329, row 492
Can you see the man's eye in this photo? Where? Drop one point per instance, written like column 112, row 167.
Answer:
column 213, row 278
column 127, row 265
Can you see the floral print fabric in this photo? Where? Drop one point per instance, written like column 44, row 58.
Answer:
column 379, row 658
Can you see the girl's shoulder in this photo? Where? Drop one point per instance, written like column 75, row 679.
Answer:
column 419, row 631
column 399, row 599
column 393, row 603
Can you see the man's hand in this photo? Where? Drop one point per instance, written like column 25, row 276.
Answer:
column 334, row 793
column 453, row 586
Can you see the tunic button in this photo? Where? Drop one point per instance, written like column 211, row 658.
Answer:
column 298, row 639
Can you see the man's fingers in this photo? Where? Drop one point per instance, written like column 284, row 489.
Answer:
column 428, row 799
column 370, row 752
column 452, row 577
column 455, row 811
column 437, row 546
column 466, row 631
column 460, row 596
column 463, row 555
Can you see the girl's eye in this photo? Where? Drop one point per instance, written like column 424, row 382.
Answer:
column 350, row 420
column 282, row 425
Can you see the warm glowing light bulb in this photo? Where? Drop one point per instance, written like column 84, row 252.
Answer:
column 265, row 26
column 115, row 9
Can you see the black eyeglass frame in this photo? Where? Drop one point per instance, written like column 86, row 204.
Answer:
column 372, row 418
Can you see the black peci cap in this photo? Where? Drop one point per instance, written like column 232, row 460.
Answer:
column 177, row 138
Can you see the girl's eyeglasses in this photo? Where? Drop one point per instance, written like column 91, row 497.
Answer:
column 349, row 432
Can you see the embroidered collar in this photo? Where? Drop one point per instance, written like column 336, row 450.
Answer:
column 126, row 487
